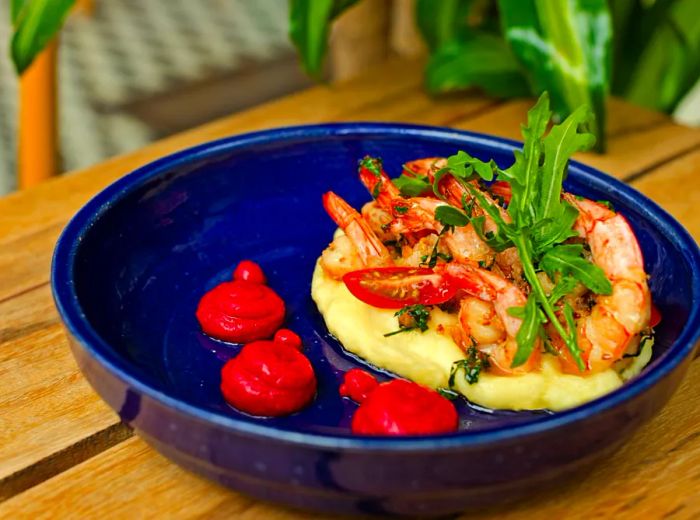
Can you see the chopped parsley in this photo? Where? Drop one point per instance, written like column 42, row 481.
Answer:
column 472, row 366
column 431, row 260
column 374, row 166
column 411, row 317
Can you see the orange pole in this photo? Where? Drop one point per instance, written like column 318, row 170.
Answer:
column 86, row 6
column 38, row 125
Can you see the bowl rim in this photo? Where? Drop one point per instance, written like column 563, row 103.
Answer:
column 75, row 320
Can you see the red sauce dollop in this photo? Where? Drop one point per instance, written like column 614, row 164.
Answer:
column 357, row 384
column 268, row 379
column 400, row 407
column 288, row 337
column 242, row 310
column 249, row 271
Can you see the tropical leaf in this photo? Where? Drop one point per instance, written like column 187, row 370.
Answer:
column 669, row 65
column 482, row 61
column 309, row 23
column 35, row 23
column 442, row 22
column 566, row 48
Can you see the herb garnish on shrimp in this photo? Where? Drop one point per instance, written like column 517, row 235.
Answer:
column 539, row 221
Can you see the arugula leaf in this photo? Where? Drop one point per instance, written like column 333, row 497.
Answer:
column 561, row 143
column 567, row 259
column 530, row 330
column 555, row 230
column 564, row 286
column 463, row 165
column 498, row 241
column 526, row 169
column 451, row 216
column 412, row 186
column 539, row 218
column 571, row 325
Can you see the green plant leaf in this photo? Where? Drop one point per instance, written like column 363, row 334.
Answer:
column 567, row 259
column 634, row 23
column 450, row 216
column 566, row 48
column 563, row 287
column 309, row 23
column 35, row 23
column 561, row 143
column 528, row 332
column 524, row 172
column 442, row 22
column 16, row 8
column 412, row 186
column 670, row 60
column 482, row 61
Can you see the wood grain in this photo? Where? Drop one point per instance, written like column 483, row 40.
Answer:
column 46, row 403
column 53, row 425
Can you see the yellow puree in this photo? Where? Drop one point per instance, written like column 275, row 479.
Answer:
column 426, row 357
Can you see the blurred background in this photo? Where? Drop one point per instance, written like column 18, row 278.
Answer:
column 132, row 71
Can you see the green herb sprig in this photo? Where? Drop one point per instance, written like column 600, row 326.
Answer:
column 411, row 184
column 374, row 166
column 540, row 221
column 419, row 316
column 472, row 366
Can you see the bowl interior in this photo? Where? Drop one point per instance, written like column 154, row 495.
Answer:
column 152, row 247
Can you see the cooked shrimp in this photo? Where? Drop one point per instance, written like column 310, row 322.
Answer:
column 615, row 320
column 379, row 219
column 359, row 247
column 464, row 244
column 378, row 182
column 484, row 317
column 427, row 166
column 471, row 244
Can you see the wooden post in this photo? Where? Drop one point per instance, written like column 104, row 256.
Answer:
column 86, row 6
column 405, row 38
column 38, row 125
column 359, row 39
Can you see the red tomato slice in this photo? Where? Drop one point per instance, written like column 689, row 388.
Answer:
column 396, row 287
column 655, row 316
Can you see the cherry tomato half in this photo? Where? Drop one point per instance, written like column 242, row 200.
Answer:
column 396, row 287
column 655, row 317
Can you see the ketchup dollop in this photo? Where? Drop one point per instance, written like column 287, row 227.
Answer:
column 357, row 384
column 398, row 407
column 288, row 337
column 241, row 310
column 249, row 271
column 268, row 378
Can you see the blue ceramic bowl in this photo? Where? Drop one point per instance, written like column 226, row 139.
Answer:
column 130, row 267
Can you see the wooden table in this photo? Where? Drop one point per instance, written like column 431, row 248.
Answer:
column 63, row 452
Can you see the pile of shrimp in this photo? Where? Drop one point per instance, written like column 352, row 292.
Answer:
column 392, row 230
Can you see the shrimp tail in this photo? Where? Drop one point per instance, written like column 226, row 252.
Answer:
column 369, row 248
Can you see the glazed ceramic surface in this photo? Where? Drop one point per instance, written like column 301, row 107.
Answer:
column 131, row 266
